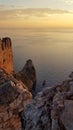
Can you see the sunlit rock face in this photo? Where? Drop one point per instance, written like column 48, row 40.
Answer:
column 52, row 109
column 28, row 74
column 6, row 55
column 14, row 95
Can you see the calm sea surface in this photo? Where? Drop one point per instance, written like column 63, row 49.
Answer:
column 51, row 51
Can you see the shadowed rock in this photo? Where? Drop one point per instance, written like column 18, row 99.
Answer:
column 28, row 74
column 14, row 95
column 52, row 109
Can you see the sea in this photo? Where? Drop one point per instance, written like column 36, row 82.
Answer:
column 51, row 51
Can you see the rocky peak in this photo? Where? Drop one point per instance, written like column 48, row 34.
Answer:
column 28, row 74
column 6, row 55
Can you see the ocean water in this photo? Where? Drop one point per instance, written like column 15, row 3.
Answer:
column 51, row 51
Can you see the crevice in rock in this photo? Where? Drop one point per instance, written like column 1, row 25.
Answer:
column 23, row 120
column 50, row 118
column 61, row 125
column 49, row 105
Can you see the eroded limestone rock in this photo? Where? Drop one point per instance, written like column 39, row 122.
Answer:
column 14, row 95
column 6, row 55
column 28, row 74
column 52, row 109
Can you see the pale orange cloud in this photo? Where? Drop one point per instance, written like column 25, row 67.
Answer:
column 36, row 18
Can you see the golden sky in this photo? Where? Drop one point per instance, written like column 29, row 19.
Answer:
column 35, row 18
column 30, row 13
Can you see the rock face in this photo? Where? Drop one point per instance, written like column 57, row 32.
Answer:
column 14, row 95
column 28, row 75
column 6, row 56
column 52, row 109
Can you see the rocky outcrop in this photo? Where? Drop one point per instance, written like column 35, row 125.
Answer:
column 14, row 95
column 28, row 74
column 52, row 109
column 6, row 55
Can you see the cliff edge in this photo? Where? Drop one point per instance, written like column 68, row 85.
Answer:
column 27, row 75
column 51, row 109
column 14, row 95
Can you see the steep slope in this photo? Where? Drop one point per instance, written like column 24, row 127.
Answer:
column 14, row 95
column 52, row 109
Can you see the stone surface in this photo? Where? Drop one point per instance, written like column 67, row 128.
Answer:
column 52, row 109
column 14, row 95
column 6, row 55
column 28, row 74
column 67, row 115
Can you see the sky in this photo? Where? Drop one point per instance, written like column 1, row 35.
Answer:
column 36, row 13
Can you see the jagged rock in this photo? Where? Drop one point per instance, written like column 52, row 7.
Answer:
column 67, row 115
column 37, row 115
column 6, row 55
column 28, row 75
column 52, row 109
column 14, row 95
column 65, row 86
column 71, row 75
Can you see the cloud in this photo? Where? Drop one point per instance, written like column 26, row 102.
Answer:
column 29, row 13
column 69, row 2
column 4, row 7
column 31, row 17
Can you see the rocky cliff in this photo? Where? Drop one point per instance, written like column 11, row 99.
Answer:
column 27, row 75
column 14, row 95
column 52, row 109
column 6, row 55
